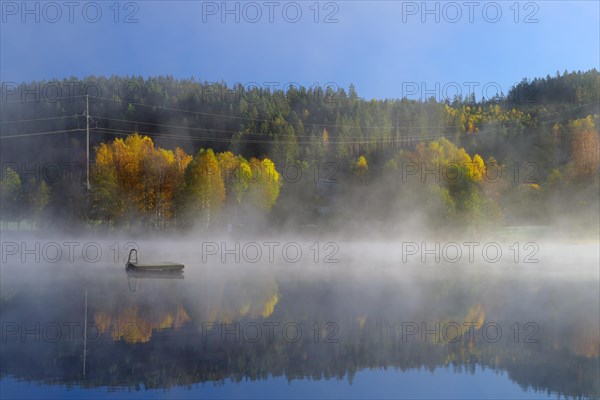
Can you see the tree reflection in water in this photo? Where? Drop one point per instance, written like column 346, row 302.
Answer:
column 229, row 324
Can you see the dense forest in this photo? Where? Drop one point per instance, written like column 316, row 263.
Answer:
column 172, row 154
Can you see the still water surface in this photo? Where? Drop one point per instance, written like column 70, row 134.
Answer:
column 364, row 327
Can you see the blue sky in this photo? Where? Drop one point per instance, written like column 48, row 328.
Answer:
column 383, row 47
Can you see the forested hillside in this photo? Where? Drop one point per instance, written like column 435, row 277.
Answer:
column 212, row 155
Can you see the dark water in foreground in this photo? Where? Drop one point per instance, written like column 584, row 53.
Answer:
column 365, row 327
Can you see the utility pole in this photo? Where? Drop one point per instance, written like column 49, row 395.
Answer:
column 397, row 132
column 87, row 142
column 85, row 334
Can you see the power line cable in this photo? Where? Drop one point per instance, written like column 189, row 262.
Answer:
column 39, row 133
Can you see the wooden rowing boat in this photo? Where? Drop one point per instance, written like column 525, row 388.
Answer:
column 163, row 266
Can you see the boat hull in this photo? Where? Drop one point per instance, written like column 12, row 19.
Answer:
column 155, row 267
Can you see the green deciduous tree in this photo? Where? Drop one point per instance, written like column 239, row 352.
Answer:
column 12, row 197
column 39, row 200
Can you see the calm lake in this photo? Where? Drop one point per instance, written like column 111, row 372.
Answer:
column 369, row 324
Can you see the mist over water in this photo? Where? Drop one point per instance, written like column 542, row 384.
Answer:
column 370, row 308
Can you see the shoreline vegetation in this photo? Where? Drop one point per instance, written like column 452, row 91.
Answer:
column 170, row 157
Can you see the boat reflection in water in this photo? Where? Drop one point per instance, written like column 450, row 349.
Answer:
column 232, row 324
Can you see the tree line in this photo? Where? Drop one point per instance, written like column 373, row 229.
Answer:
column 146, row 131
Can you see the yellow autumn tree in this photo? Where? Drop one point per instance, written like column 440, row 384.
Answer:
column 445, row 157
column 204, row 190
column 237, row 176
column 265, row 183
column 325, row 140
column 132, row 178
column 243, row 178
column 228, row 163
column 585, row 146
column 163, row 172
column 361, row 167
column 477, row 168
column 460, row 176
